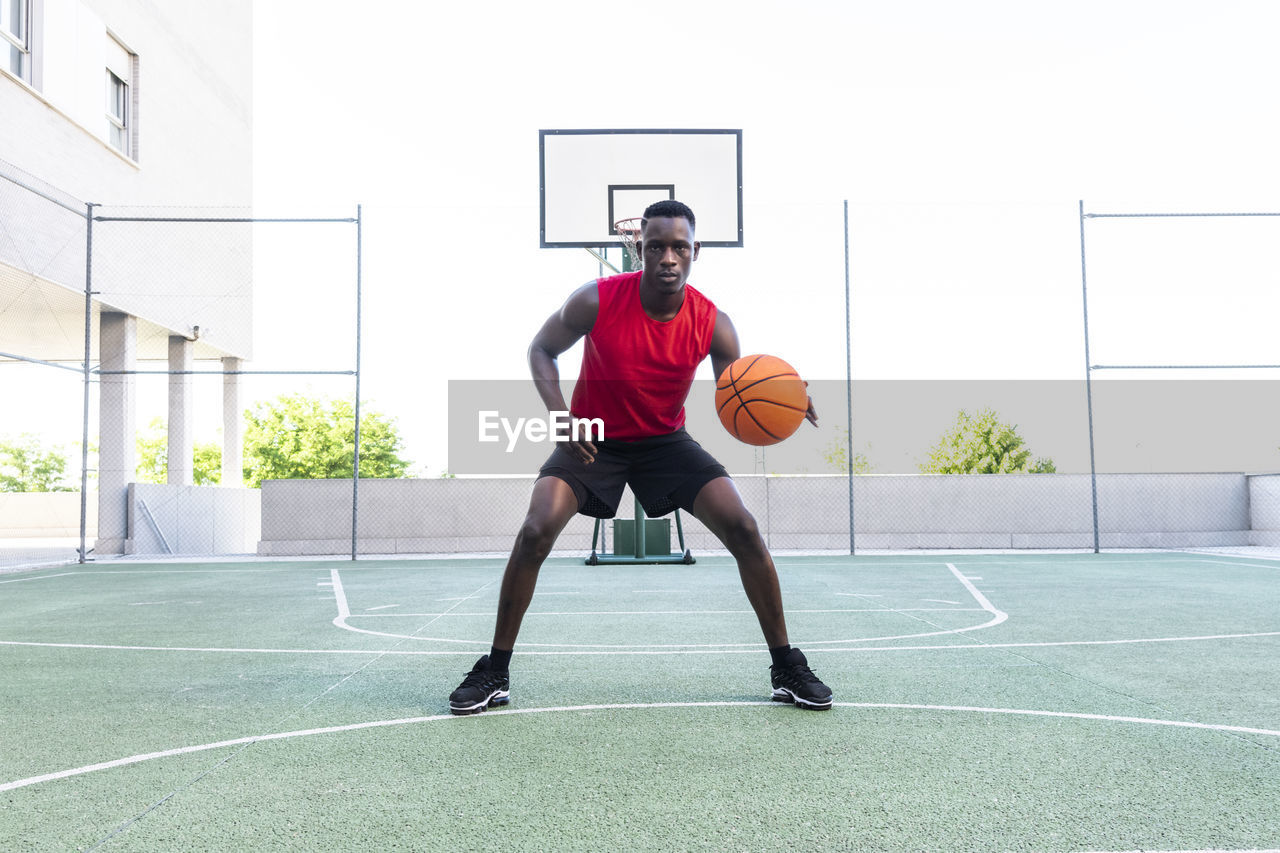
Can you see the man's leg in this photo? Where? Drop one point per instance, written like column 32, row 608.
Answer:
column 720, row 507
column 551, row 507
column 487, row 684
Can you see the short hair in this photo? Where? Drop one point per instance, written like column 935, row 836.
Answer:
column 669, row 207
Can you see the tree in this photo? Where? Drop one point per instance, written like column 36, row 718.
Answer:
column 25, row 466
column 153, row 457
column 836, row 454
column 981, row 444
column 300, row 437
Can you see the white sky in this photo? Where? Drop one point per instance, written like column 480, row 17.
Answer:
column 962, row 135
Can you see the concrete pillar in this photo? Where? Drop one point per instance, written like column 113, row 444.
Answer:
column 117, row 459
column 232, row 426
column 181, row 449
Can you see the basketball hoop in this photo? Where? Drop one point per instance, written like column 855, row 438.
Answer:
column 629, row 231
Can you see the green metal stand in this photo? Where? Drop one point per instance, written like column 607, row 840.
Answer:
column 640, row 551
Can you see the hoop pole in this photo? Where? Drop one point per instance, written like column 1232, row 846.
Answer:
column 1088, row 384
column 604, row 262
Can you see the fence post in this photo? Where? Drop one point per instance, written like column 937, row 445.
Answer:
column 848, row 368
column 88, row 378
column 355, row 466
column 1088, row 384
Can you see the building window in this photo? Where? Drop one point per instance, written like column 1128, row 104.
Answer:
column 118, row 111
column 15, row 37
column 121, row 98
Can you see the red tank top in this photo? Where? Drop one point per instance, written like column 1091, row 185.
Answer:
column 636, row 371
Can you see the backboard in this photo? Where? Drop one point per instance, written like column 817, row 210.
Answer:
column 589, row 179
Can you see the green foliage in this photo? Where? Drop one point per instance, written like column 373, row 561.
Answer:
column 26, row 466
column 207, row 464
column 152, row 449
column 299, row 437
column 981, row 444
column 153, row 457
column 836, row 454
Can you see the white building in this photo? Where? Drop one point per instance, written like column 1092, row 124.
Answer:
column 144, row 108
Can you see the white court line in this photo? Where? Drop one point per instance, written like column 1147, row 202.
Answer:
column 638, row 651
column 880, row 561
column 1214, row 850
column 997, row 616
column 156, row 572
column 979, row 597
column 340, row 595
column 631, row 706
column 488, row 613
column 344, row 613
column 41, row 577
column 1239, row 565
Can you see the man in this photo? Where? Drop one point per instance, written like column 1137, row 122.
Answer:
column 646, row 332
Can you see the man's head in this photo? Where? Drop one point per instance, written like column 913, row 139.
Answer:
column 666, row 245
column 669, row 208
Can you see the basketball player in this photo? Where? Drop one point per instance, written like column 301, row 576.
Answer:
column 646, row 332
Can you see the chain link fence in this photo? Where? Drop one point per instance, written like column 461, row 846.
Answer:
column 187, row 381
column 136, row 379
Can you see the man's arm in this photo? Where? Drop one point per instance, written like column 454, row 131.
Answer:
column 562, row 330
column 725, row 350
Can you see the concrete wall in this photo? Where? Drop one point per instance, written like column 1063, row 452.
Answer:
column 1264, row 508
column 296, row 517
column 1016, row 511
column 400, row 516
column 1052, row 511
column 45, row 515
column 167, row 519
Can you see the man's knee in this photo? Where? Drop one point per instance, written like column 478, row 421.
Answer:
column 536, row 538
column 740, row 533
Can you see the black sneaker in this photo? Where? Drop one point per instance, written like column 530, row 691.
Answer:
column 795, row 682
column 482, row 688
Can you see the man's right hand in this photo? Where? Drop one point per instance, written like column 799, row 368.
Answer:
column 583, row 449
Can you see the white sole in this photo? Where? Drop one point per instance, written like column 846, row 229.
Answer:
column 782, row 694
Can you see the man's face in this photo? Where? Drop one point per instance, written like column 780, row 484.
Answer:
column 669, row 250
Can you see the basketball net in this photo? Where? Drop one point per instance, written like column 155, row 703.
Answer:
column 629, row 231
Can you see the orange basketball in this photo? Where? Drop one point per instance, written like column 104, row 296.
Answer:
column 761, row 399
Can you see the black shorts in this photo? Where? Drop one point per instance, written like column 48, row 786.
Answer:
column 664, row 472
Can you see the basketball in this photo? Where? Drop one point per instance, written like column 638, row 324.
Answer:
column 761, row 399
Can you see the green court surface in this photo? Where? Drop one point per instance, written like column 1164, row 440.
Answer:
column 1070, row 702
